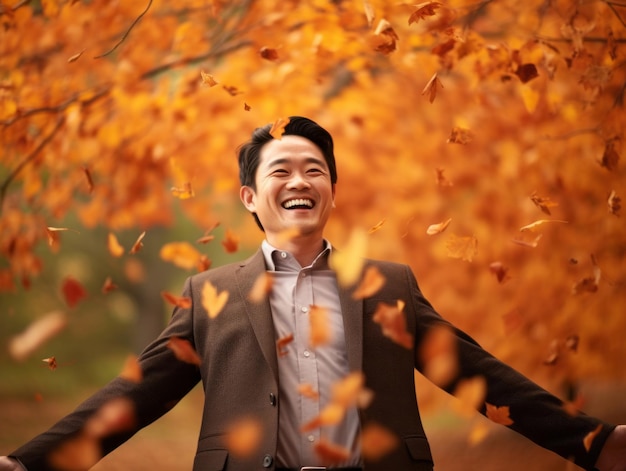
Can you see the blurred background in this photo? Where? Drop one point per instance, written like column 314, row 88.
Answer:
column 498, row 125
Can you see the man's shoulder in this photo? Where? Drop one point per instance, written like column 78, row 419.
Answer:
column 223, row 271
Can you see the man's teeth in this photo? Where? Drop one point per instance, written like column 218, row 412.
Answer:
column 298, row 202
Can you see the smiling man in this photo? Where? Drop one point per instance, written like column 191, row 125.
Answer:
column 257, row 360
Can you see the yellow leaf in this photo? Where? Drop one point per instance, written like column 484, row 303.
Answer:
column 348, row 262
column 372, row 281
column 114, row 246
column 36, row 334
column 243, row 436
column 183, row 193
column 423, row 10
column 499, row 415
column 534, row 225
column 320, row 330
column 590, row 437
column 393, row 323
column 431, row 87
column 213, row 301
column 138, row 243
column 181, row 254
column 261, row 288
column 208, row 79
column 377, row 441
column 278, row 127
column 470, row 394
column 464, row 248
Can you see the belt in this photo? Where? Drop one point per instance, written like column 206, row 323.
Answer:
column 320, row 468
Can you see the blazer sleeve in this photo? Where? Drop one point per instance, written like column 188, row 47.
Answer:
column 535, row 413
column 165, row 380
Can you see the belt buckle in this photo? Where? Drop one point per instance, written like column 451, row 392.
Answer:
column 313, row 468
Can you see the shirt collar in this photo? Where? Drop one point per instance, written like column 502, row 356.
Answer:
column 281, row 260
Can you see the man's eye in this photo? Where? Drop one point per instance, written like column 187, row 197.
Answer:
column 281, row 171
column 315, row 170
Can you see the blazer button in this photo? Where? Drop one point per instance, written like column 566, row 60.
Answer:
column 273, row 399
column 267, row 461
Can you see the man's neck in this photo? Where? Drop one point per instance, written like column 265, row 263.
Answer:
column 304, row 249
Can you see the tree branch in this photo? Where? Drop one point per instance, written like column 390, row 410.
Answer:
column 127, row 32
column 29, row 158
column 612, row 6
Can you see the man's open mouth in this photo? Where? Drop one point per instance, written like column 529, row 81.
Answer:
column 299, row 203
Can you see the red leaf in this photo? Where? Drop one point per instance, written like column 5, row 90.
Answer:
column 73, row 291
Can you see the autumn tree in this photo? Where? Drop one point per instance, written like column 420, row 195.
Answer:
column 480, row 142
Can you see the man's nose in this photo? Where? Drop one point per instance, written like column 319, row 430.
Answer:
column 298, row 181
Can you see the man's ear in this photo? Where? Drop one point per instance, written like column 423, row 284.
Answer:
column 248, row 198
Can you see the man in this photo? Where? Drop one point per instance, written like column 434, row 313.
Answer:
column 261, row 359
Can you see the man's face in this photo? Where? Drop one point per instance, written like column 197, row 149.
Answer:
column 293, row 188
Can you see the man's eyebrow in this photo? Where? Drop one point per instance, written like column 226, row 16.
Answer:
column 287, row 160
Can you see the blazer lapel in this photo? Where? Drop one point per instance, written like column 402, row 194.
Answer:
column 259, row 313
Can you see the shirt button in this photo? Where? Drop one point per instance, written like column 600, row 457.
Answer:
column 311, row 438
column 304, row 309
column 307, row 354
column 273, row 399
column 267, row 461
column 283, row 255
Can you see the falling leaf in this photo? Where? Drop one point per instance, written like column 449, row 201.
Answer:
column 183, row 302
column 287, row 235
column 183, row 350
column 89, row 179
column 543, row 203
column 115, row 248
column 230, row 242
column 460, row 135
column 262, row 288
column 346, row 392
column 232, row 90
column 207, row 79
column 438, row 355
column 431, row 88
column 138, row 243
column 369, row 12
column 246, row 107
column 205, row 239
column 498, row 269
column 22, row 345
column 423, row 10
column 591, row 436
column 78, row 452
column 108, row 285
column 320, row 330
column 377, row 441
column 131, row 371
column 385, row 38
column 243, row 436
column 438, row 228
column 441, row 180
column 213, row 301
column 181, row 254
column 331, row 415
column 574, row 407
column 204, row 263
column 114, row 416
column 464, row 248
column 331, row 453
column 610, row 157
column 307, row 390
column 478, row 433
column 348, row 262
column 571, row 342
column 278, row 128
column 73, row 291
column 184, row 192
column 527, row 72
column 268, row 53
column 376, row 227
column 76, row 56
column 470, row 394
column 534, row 225
column 532, row 243
column 499, row 415
column 589, row 284
column 393, row 323
column 371, row 283
column 51, row 362
column 282, row 343
column 615, row 203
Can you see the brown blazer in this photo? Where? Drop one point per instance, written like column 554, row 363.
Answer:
column 239, row 374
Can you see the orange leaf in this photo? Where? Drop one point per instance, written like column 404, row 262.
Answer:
column 51, row 362
column 76, row 56
column 438, row 354
column 590, row 437
column 393, row 324
column 532, row 243
column 377, row 441
column 438, row 228
column 499, row 415
column 423, row 10
column 614, row 203
column 73, row 291
column 464, row 248
column 213, row 301
column 376, row 227
column 183, row 350
column 181, row 254
column 183, row 302
column 278, row 127
column 114, row 246
column 78, row 452
column 431, row 88
column 460, row 135
column 131, row 370
column 183, row 193
column 320, row 330
column 544, row 204
column 499, row 270
column 108, row 285
column 36, row 334
column 230, row 242
column 307, row 391
column 534, row 225
column 262, row 288
column 470, row 394
column 332, row 414
column 348, row 262
column 243, row 436
column 114, row 416
column 89, row 179
column 138, row 243
column 269, row 54
column 347, row 391
column 281, row 343
column 372, row 281
column 208, row 79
